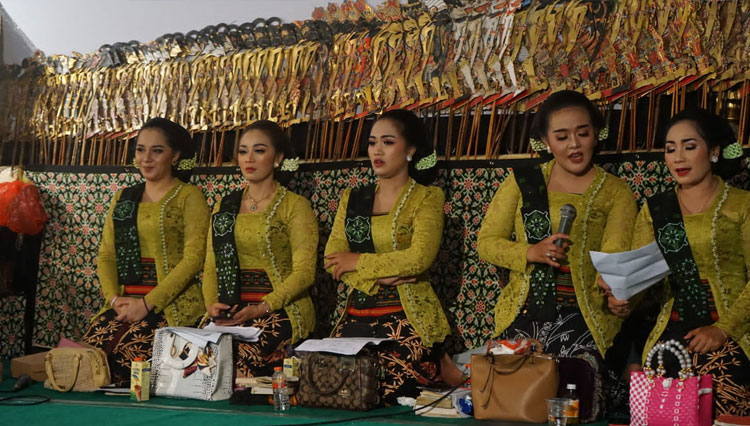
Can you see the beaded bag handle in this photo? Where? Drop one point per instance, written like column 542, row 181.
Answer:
column 686, row 364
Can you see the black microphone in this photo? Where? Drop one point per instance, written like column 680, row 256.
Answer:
column 23, row 382
column 567, row 216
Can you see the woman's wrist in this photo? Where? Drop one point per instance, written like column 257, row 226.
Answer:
column 724, row 333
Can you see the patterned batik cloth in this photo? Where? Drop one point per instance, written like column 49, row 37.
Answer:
column 728, row 365
column 255, row 359
column 568, row 335
column 124, row 341
column 405, row 363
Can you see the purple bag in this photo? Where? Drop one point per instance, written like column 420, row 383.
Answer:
column 584, row 371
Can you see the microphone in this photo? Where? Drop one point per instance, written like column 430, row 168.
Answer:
column 23, row 382
column 567, row 216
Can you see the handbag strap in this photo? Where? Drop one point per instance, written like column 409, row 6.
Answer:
column 496, row 369
column 314, row 384
column 175, row 361
column 51, row 376
column 686, row 363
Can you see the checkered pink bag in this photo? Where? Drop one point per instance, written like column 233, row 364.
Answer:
column 656, row 400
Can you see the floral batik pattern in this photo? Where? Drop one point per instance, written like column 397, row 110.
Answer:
column 123, row 341
column 729, row 367
column 127, row 341
column 255, row 359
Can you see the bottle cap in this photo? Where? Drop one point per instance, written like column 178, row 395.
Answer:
column 278, row 368
column 571, row 386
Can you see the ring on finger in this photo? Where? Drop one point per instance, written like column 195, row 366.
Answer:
column 549, row 254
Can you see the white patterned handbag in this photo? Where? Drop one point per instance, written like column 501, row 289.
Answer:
column 190, row 368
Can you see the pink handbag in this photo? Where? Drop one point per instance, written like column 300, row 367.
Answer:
column 656, row 400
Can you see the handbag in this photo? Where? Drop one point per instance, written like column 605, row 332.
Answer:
column 348, row 382
column 184, row 369
column 583, row 370
column 656, row 400
column 82, row 369
column 513, row 387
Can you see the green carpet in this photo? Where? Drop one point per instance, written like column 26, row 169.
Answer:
column 97, row 409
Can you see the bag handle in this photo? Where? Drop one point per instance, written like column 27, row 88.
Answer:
column 517, row 365
column 497, row 369
column 314, row 384
column 175, row 361
column 50, row 374
column 686, row 363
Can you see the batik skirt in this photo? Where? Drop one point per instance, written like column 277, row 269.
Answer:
column 124, row 341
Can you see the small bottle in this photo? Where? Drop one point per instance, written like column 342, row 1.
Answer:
column 572, row 412
column 280, row 390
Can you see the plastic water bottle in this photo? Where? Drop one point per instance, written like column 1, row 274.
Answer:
column 280, row 391
column 572, row 412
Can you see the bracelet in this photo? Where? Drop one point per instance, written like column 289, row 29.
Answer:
column 726, row 336
column 112, row 302
column 145, row 305
column 268, row 308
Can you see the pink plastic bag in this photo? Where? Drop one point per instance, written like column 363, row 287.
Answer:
column 660, row 401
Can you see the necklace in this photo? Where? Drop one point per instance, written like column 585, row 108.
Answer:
column 254, row 203
column 705, row 204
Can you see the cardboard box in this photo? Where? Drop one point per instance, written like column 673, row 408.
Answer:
column 140, row 380
column 33, row 365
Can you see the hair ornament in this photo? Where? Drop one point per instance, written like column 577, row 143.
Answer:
column 188, row 163
column 290, row 165
column 732, row 151
column 427, row 162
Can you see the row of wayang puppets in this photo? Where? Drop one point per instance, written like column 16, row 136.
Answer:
column 258, row 250
column 353, row 60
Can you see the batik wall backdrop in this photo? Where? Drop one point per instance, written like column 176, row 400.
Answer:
column 68, row 292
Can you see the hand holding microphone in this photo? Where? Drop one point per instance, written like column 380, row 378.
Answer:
column 551, row 250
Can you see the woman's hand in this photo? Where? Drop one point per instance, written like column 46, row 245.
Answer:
column 217, row 310
column 396, row 281
column 119, row 305
column 546, row 251
column 131, row 309
column 619, row 308
column 342, row 263
column 706, row 339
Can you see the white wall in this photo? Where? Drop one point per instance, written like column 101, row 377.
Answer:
column 64, row 26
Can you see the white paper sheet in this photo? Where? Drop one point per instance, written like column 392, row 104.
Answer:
column 338, row 345
column 630, row 272
column 243, row 334
column 197, row 336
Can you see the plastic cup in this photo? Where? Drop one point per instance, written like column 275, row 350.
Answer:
column 556, row 408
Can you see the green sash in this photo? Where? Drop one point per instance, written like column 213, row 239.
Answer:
column 684, row 280
column 225, row 248
column 538, row 226
column 127, row 245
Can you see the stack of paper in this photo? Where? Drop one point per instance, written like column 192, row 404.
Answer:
column 338, row 345
column 243, row 334
column 629, row 273
column 263, row 385
column 430, row 404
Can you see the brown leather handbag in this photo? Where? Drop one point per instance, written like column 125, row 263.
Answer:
column 513, row 387
column 339, row 381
